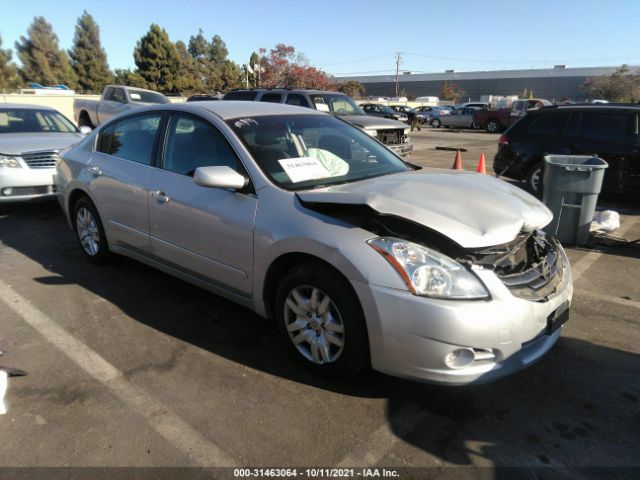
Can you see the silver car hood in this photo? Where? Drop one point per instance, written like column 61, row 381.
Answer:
column 369, row 122
column 471, row 209
column 18, row 143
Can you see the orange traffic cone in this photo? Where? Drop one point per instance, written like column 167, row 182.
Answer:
column 457, row 164
column 481, row 165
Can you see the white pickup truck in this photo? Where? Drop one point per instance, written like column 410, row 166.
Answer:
column 115, row 99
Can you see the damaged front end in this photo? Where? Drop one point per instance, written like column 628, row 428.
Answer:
column 530, row 266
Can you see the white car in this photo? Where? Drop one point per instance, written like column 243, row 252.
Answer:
column 31, row 137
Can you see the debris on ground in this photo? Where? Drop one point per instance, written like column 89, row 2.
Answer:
column 606, row 221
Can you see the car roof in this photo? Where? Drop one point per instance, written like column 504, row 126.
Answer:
column 23, row 106
column 593, row 106
column 289, row 90
column 228, row 109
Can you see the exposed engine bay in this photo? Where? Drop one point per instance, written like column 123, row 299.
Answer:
column 530, row 265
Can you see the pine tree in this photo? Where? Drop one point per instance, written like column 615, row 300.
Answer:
column 42, row 60
column 189, row 76
column 8, row 70
column 88, row 58
column 157, row 60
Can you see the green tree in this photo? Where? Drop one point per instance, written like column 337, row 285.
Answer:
column 88, row 58
column 8, row 71
column 128, row 77
column 353, row 88
column 157, row 60
column 42, row 60
column 188, row 80
column 622, row 86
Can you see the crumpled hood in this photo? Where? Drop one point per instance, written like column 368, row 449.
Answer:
column 471, row 209
column 369, row 122
column 18, row 143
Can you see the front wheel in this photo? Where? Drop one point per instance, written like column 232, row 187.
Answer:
column 436, row 123
column 90, row 232
column 320, row 319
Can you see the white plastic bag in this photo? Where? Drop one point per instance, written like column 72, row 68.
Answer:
column 607, row 221
column 3, row 389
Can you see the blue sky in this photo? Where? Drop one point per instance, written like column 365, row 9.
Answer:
column 361, row 37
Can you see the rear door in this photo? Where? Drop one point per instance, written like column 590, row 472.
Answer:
column 206, row 232
column 607, row 133
column 120, row 172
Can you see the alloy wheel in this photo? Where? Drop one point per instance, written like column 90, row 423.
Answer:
column 88, row 232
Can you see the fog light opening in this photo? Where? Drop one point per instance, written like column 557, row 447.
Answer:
column 7, row 191
column 460, row 358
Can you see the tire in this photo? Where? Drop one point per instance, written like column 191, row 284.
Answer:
column 475, row 125
column 335, row 324
column 492, row 126
column 85, row 120
column 90, row 232
column 435, row 123
column 534, row 180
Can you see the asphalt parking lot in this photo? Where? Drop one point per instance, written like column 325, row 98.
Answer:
column 128, row 367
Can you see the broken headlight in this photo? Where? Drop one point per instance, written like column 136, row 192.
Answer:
column 428, row 272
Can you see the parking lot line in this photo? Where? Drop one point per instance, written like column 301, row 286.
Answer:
column 174, row 429
column 384, row 439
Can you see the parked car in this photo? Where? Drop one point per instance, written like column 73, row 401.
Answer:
column 392, row 133
column 379, row 110
column 305, row 218
column 31, row 138
column 434, row 112
column 115, row 99
column 202, row 97
column 459, row 118
column 496, row 119
column 411, row 113
column 609, row 131
column 472, row 105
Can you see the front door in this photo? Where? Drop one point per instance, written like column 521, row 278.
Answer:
column 206, row 232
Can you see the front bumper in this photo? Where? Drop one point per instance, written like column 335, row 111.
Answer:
column 26, row 183
column 410, row 336
column 402, row 149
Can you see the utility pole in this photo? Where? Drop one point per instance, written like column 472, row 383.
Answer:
column 398, row 62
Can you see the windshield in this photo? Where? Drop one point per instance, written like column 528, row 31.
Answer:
column 29, row 120
column 141, row 96
column 336, row 104
column 308, row 151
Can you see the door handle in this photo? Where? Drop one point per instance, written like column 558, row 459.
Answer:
column 95, row 171
column 160, row 196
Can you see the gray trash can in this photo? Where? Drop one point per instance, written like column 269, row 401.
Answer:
column 571, row 185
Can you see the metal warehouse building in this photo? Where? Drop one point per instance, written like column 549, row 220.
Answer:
column 550, row 83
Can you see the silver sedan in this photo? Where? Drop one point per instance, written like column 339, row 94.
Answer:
column 362, row 259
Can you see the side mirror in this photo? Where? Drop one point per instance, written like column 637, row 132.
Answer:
column 85, row 130
column 219, row 177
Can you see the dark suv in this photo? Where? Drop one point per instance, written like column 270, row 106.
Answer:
column 391, row 133
column 609, row 131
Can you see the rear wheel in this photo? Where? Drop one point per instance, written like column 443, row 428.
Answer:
column 436, row 123
column 492, row 126
column 85, row 120
column 90, row 232
column 534, row 179
column 320, row 319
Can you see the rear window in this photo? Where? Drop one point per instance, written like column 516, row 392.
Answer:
column 609, row 126
column 548, row 124
column 250, row 96
column 271, row 97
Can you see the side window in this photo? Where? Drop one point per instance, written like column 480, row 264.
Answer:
column 296, row 99
column 132, row 138
column 608, row 126
column 117, row 95
column 548, row 124
column 193, row 143
column 271, row 97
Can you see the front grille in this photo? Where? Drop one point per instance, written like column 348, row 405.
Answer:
column 531, row 266
column 391, row 137
column 43, row 159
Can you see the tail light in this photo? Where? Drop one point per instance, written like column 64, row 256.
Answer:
column 503, row 140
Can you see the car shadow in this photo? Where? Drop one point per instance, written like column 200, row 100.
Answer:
column 579, row 406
